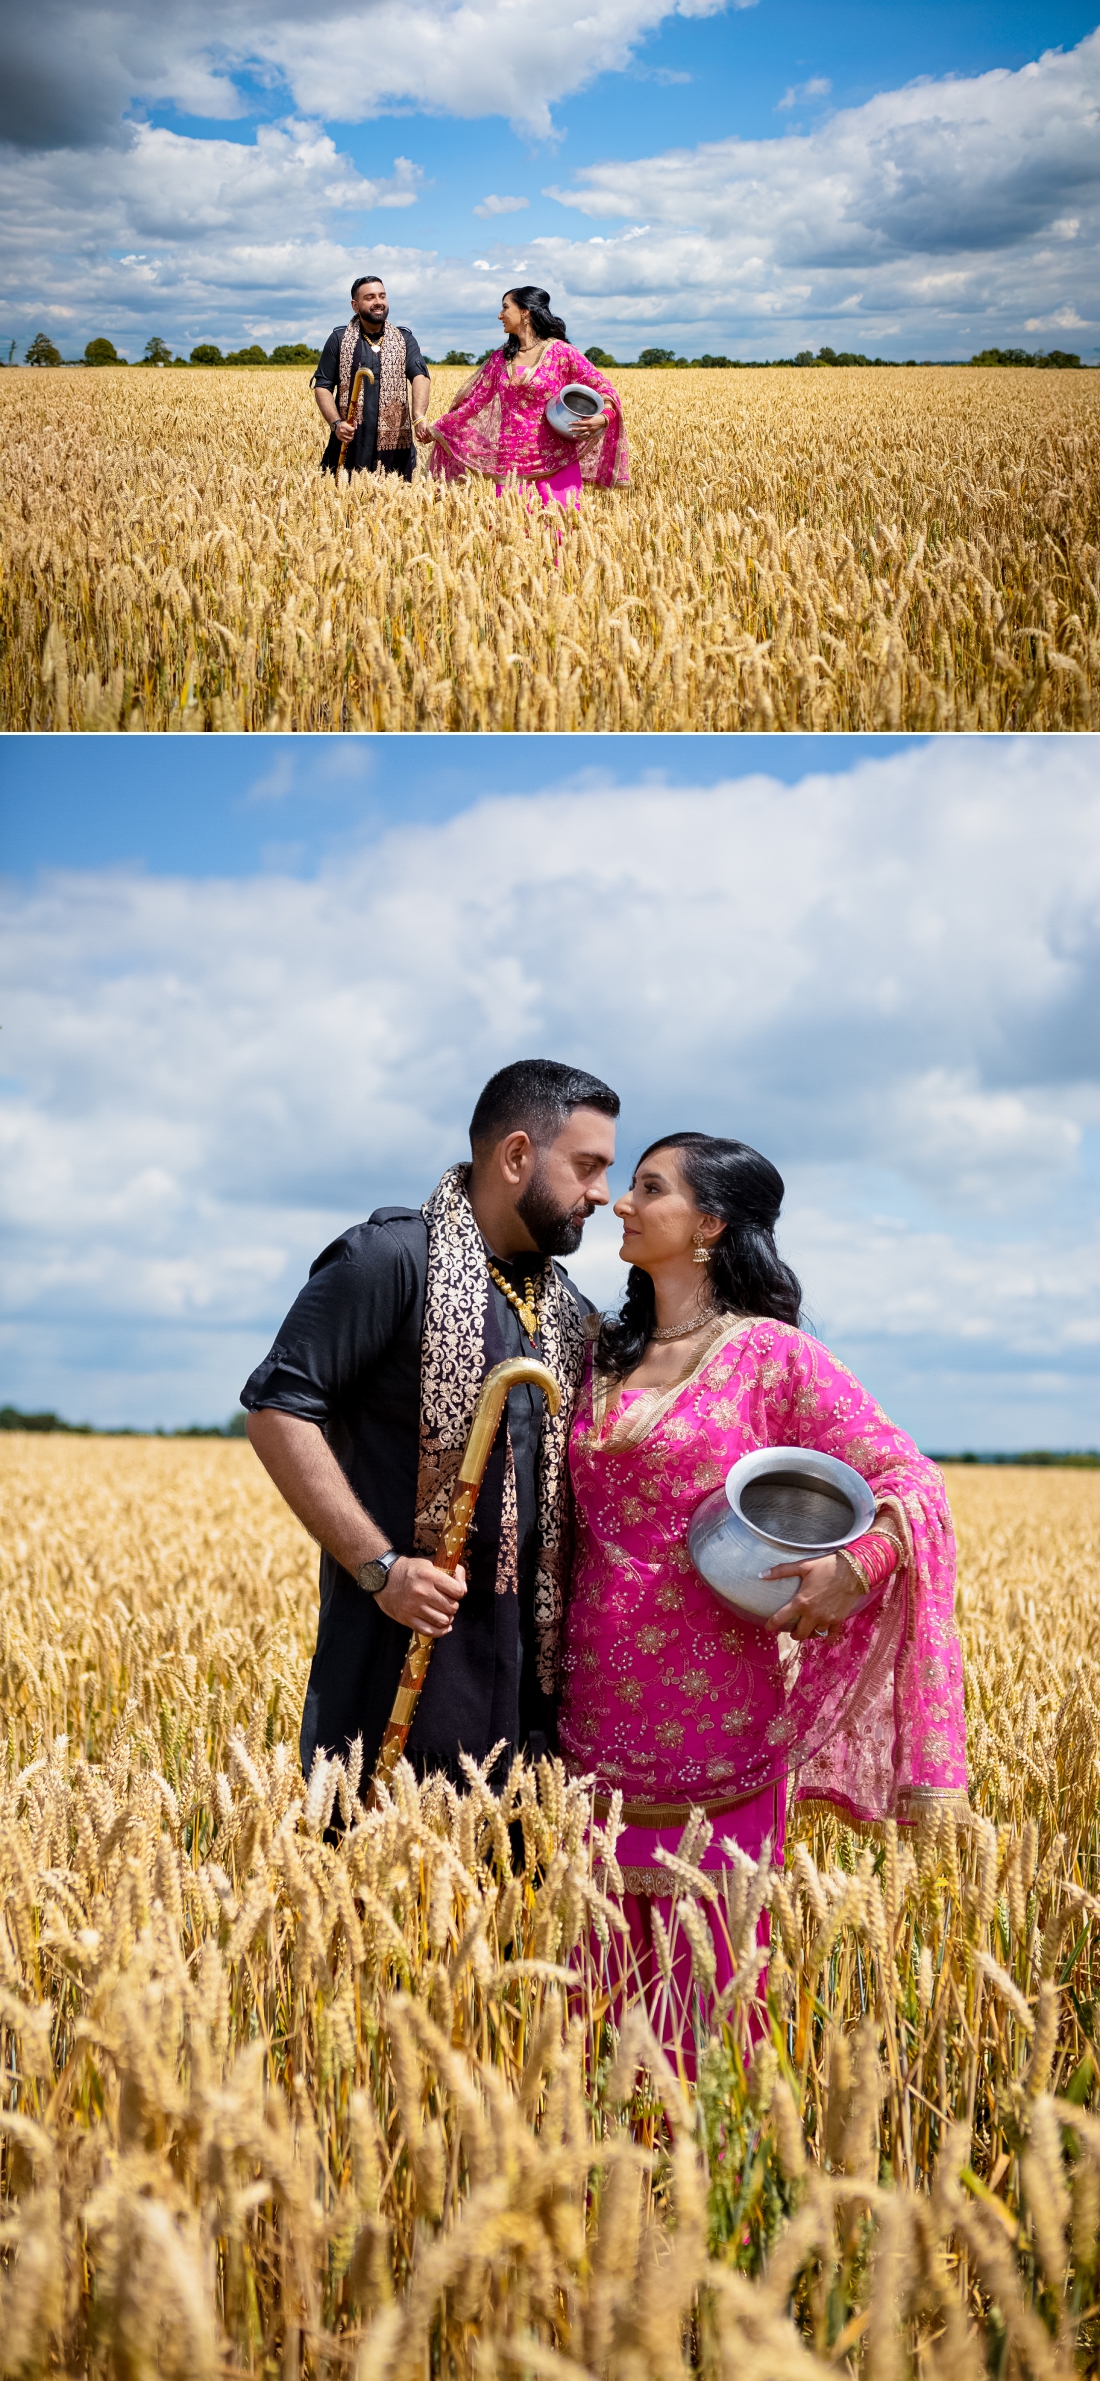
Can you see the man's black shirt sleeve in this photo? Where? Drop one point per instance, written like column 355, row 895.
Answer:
column 344, row 1321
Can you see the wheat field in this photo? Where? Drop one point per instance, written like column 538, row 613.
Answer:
column 382, row 2103
column 832, row 549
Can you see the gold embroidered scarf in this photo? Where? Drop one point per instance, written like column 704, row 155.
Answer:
column 452, row 1367
column 394, row 418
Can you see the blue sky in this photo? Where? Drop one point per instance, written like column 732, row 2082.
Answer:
column 237, row 806
column 252, row 989
column 745, row 177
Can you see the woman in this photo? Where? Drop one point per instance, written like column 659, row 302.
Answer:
column 667, row 1695
column 497, row 423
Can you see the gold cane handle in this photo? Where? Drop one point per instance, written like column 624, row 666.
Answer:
column 454, row 1533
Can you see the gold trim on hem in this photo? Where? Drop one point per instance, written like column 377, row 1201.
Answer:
column 918, row 1807
column 677, row 1814
column 651, row 1884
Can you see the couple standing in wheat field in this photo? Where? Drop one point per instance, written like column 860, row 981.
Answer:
column 578, row 1624
column 534, row 411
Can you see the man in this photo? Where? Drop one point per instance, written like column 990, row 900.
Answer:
column 361, row 1411
column 379, row 436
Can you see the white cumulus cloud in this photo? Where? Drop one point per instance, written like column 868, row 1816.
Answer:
column 887, row 979
column 493, row 205
column 818, row 87
column 940, row 218
column 944, row 198
column 188, row 235
column 72, row 73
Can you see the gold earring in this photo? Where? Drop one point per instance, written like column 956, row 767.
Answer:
column 702, row 1252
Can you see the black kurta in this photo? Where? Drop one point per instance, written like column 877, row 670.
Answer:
column 348, row 1358
column 364, row 455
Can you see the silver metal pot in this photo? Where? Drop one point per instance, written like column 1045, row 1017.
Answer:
column 574, row 404
column 780, row 1505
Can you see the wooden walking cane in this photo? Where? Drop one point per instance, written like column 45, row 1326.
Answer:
column 364, row 373
column 453, row 1536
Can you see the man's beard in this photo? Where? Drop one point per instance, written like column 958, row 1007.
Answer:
column 556, row 1231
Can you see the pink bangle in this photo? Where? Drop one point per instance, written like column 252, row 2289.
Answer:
column 872, row 1557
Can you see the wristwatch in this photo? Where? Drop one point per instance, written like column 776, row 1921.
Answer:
column 372, row 1576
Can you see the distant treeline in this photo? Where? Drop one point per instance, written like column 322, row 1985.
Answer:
column 661, row 359
column 1064, row 1459
column 101, row 351
column 1040, row 1458
column 12, row 1419
column 652, row 359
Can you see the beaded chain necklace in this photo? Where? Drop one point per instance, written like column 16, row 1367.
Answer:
column 685, row 1330
column 526, row 1308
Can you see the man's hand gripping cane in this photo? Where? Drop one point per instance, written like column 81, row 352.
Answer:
column 453, row 1536
column 345, row 428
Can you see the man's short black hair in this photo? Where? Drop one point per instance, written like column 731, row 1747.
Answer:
column 362, row 283
column 536, row 1096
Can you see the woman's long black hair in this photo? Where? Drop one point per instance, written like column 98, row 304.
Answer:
column 536, row 303
column 746, row 1274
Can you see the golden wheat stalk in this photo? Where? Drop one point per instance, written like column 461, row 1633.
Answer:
column 389, row 2104
column 833, row 550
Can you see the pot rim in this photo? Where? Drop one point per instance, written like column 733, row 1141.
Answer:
column 829, row 1468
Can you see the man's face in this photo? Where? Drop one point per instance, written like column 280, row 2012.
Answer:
column 567, row 1182
column 372, row 305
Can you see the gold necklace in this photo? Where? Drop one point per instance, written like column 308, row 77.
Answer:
column 526, row 1308
column 685, row 1330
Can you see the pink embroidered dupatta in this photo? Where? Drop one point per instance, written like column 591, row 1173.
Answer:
column 668, row 1697
column 497, row 425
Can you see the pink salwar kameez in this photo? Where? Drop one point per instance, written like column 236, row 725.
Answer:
column 497, row 427
column 670, row 1698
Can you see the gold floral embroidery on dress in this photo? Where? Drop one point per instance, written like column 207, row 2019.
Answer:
column 629, row 1425
column 650, row 1640
column 670, row 1733
column 630, row 1690
column 452, row 1367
